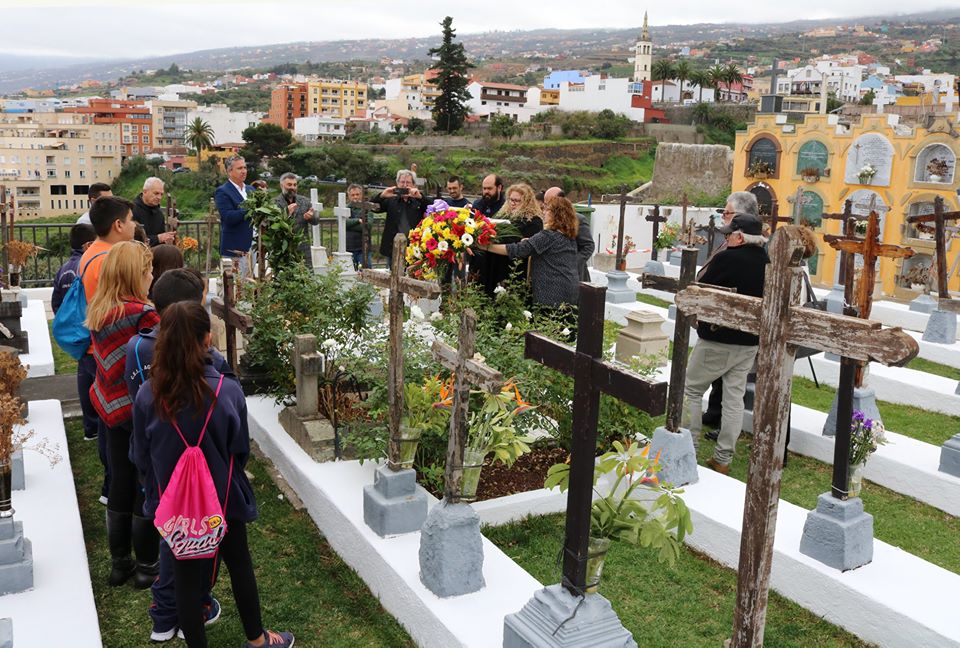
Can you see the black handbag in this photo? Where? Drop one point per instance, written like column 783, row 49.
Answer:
column 817, row 304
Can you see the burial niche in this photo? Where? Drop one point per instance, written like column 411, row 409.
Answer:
column 871, row 155
column 764, row 198
column 763, row 158
column 812, row 155
column 936, row 163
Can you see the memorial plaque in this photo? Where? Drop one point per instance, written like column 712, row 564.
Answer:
column 812, row 154
column 811, row 211
column 764, row 150
column 872, row 149
column 865, row 201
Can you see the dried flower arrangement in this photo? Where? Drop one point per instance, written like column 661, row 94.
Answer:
column 19, row 252
column 12, row 372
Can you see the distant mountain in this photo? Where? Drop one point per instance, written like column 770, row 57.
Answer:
column 17, row 73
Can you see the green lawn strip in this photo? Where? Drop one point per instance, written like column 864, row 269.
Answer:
column 916, row 423
column 653, row 301
column 304, row 585
column 690, row 604
column 898, row 520
column 63, row 363
column 935, row 368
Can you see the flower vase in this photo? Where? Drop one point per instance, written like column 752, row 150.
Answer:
column 934, row 178
column 596, row 556
column 864, row 179
column 409, row 441
column 472, row 465
column 6, row 488
column 622, row 265
column 855, row 477
column 14, row 276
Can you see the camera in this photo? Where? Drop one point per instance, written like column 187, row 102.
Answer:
column 403, row 191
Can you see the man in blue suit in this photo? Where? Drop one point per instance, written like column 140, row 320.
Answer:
column 236, row 231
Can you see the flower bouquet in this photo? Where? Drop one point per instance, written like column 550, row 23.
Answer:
column 866, row 173
column 866, row 435
column 667, row 236
column 443, row 237
column 629, row 245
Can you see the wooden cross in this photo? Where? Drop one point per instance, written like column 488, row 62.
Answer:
column 939, row 218
column 3, row 233
column 655, row 218
column 466, row 372
column 213, row 217
column 171, row 221
column 773, row 218
column 225, row 308
column 798, row 202
column 684, row 203
column 623, row 215
column 782, row 325
column 591, row 376
column 399, row 285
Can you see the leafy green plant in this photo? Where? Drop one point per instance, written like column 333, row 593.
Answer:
column 419, row 400
column 492, row 425
column 660, row 523
column 281, row 240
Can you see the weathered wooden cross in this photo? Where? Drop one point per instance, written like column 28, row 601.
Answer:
column 399, row 285
column 225, row 308
column 782, row 325
column 591, row 376
column 171, row 221
column 655, row 218
column 212, row 218
column 798, row 202
column 3, row 232
column 939, row 218
column 774, row 218
column 466, row 372
column 623, row 216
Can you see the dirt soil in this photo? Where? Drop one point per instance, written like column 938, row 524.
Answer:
column 526, row 474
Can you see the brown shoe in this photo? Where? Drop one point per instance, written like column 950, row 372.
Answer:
column 716, row 466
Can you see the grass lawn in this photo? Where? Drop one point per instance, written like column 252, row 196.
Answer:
column 688, row 605
column 653, row 301
column 304, row 586
column 922, row 364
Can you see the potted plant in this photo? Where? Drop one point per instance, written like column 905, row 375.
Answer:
column 866, row 173
column 937, row 170
column 667, row 236
column 633, row 506
column 759, row 169
column 866, row 435
column 420, row 414
column 628, row 246
column 18, row 253
column 810, row 174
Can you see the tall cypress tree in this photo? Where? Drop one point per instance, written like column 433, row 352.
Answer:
column 450, row 109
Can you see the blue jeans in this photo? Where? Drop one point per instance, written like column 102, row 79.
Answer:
column 163, row 610
column 358, row 258
column 86, row 374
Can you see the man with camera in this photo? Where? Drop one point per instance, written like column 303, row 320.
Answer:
column 298, row 208
column 404, row 206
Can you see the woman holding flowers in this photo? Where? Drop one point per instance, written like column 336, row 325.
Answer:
column 554, row 278
column 523, row 212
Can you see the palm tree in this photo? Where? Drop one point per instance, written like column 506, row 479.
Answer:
column 681, row 72
column 731, row 75
column 715, row 75
column 699, row 78
column 662, row 70
column 199, row 135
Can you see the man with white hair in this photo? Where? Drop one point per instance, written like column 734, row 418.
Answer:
column 148, row 213
column 404, row 206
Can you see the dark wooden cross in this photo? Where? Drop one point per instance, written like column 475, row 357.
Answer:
column 623, row 215
column 225, row 308
column 774, row 218
column 655, row 218
column 591, row 376
column 213, row 217
column 3, row 233
column 466, row 372
column 684, row 203
column 939, row 218
column 782, row 325
column 172, row 222
column 399, row 285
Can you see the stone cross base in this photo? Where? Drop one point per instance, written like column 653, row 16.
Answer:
column 838, row 533
column 654, row 268
column 864, row 399
column 16, row 558
column 678, row 458
column 6, row 633
column 451, row 550
column 18, row 480
column 556, row 618
column 950, row 456
column 314, row 434
column 941, row 327
column 394, row 503
column 672, row 312
column 923, row 304
column 318, row 258
column 642, row 336
column 617, row 291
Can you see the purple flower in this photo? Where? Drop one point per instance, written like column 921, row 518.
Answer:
column 437, row 206
column 858, row 415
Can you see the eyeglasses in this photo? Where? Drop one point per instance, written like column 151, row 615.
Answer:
column 516, row 200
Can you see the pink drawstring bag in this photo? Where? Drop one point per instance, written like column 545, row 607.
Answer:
column 189, row 516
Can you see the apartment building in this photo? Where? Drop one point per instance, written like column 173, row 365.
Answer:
column 49, row 160
column 228, row 126
column 133, row 118
column 411, row 96
column 170, row 125
column 288, row 102
column 335, row 98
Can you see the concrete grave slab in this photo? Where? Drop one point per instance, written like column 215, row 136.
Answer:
column 40, row 358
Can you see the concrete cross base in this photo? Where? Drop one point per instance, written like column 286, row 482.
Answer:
column 642, row 336
column 345, row 261
column 16, row 558
column 6, row 633
column 923, row 304
column 834, row 299
column 950, row 456
column 674, row 257
column 554, row 618
column 394, row 503
column 678, row 458
column 375, row 307
column 19, row 481
column 672, row 313
column 315, row 435
column 617, row 291
column 653, row 267
column 941, row 327
column 838, row 533
column 864, row 399
column 451, row 550
column 318, row 258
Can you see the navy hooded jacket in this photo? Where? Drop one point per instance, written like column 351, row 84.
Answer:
column 140, row 356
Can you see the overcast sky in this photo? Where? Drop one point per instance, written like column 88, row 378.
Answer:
column 135, row 28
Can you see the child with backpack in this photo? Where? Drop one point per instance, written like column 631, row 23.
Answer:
column 192, row 443
column 118, row 310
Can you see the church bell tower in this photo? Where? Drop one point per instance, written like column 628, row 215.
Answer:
column 643, row 55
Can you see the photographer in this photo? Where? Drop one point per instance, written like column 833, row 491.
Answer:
column 297, row 207
column 404, row 206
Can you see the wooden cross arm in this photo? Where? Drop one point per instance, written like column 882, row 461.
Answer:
column 653, row 218
column 378, row 278
column 475, row 373
column 414, row 287
column 851, row 337
column 855, row 246
column 930, row 218
column 620, row 383
column 658, row 282
column 235, row 318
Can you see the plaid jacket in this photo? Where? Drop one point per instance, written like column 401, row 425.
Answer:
column 109, row 347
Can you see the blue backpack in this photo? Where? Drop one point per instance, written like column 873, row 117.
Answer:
column 69, row 329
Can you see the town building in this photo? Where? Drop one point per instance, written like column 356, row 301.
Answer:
column 600, row 92
column 170, row 125
column 643, row 54
column 49, row 160
column 876, row 162
column 553, row 80
column 413, row 95
column 334, row 98
column 133, row 118
column 227, row 125
column 487, row 98
column 319, row 128
column 288, row 102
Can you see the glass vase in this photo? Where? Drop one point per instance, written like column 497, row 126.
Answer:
column 14, row 275
column 472, row 465
column 6, row 488
column 596, row 556
column 409, row 441
column 855, row 479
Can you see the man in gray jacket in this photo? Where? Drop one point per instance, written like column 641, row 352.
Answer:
column 585, row 244
column 298, row 208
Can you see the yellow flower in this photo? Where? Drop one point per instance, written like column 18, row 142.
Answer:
column 469, row 230
column 427, row 222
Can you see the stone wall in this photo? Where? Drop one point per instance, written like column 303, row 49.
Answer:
column 677, row 114
column 697, row 169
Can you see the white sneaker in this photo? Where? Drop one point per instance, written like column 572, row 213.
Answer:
column 103, row 500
